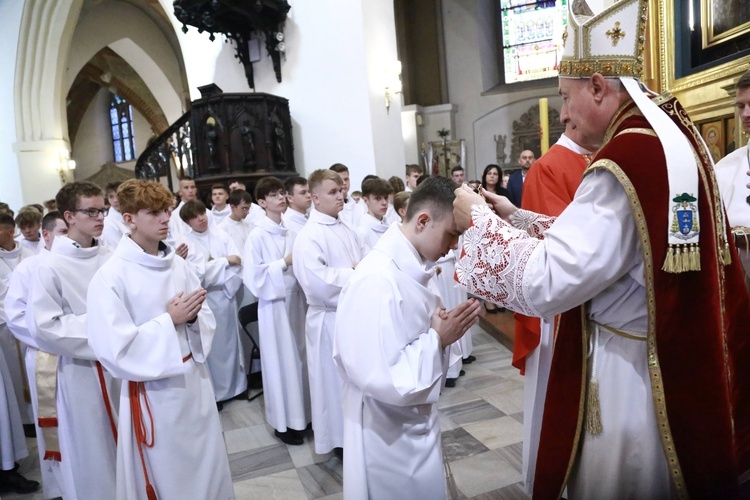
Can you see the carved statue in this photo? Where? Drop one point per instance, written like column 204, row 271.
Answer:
column 500, row 148
column 248, row 144
column 211, row 136
column 280, row 139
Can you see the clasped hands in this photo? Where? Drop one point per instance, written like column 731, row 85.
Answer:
column 185, row 308
column 466, row 198
column 452, row 325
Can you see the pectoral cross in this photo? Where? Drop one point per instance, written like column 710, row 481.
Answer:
column 615, row 34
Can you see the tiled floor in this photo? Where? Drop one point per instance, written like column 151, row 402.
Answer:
column 481, row 420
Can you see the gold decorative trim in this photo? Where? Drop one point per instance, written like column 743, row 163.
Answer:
column 610, row 67
column 638, row 130
column 711, row 40
column 667, row 48
column 617, row 120
column 623, row 333
column 654, row 368
column 585, row 334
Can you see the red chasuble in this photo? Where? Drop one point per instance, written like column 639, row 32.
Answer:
column 548, row 189
column 698, row 331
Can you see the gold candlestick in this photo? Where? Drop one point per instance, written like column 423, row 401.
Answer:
column 544, row 123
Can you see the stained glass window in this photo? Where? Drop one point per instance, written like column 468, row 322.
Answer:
column 532, row 38
column 121, row 121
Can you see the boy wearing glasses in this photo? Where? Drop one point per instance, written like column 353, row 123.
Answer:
column 215, row 259
column 150, row 326
column 281, row 316
column 84, row 415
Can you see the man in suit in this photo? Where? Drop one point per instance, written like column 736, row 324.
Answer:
column 515, row 183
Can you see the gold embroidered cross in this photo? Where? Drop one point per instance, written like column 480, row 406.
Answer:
column 615, row 34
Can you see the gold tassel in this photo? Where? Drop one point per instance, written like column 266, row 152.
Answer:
column 726, row 255
column 696, row 255
column 669, row 261
column 593, row 409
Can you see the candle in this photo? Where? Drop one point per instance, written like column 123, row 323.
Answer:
column 544, row 123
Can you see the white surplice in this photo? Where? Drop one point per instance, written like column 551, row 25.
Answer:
column 325, row 253
column 114, row 228
column 579, row 261
column 57, row 300
column 20, row 322
column 32, row 246
column 220, row 215
column 9, row 261
column 255, row 214
column 393, row 369
column 281, row 322
column 237, row 230
column 369, row 231
column 178, row 229
column 207, row 257
column 12, row 440
column 731, row 174
column 353, row 212
column 452, row 296
column 293, row 220
column 135, row 339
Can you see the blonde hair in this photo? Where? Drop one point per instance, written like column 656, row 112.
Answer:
column 316, row 178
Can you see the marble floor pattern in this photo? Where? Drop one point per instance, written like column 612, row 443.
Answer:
column 481, row 420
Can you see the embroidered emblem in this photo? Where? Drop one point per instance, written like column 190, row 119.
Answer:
column 615, row 34
column 684, row 220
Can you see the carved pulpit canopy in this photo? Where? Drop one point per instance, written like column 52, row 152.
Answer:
column 239, row 20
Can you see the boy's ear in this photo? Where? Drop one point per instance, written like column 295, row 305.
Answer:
column 262, row 203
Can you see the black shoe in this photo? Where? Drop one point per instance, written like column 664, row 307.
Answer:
column 461, row 373
column 289, row 438
column 13, row 482
column 450, row 382
column 339, row 452
column 29, row 430
column 295, row 432
column 469, row 360
column 220, row 405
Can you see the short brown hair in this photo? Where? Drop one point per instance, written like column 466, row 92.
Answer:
column 219, row 186
column 50, row 220
column 413, row 167
column 401, row 200
column 397, row 184
column 111, row 187
column 290, row 182
column 238, row 196
column 435, row 194
column 744, row 81
column 28, row 216
column 6, row 219
column 266, row 186
column 376, row 187
column 136, row 194
column 316, row 178
column 338, row 168
column 192, row 209
column 67, row 197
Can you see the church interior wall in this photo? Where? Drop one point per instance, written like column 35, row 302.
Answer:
column 483, row 108
column 10, row 178
column 93, row 145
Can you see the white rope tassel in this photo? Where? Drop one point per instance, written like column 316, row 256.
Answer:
column 593, row 406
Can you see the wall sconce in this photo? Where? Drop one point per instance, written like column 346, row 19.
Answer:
column 63, row 164
column 392, row 84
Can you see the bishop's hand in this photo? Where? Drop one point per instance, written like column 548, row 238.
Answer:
column 451, row 325
column 500, row 204
column 465, row 199
column 185, row 308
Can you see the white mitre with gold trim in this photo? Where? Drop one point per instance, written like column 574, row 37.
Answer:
column 611, row 42
column 608, row 37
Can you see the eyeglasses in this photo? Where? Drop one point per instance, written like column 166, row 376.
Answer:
column 93, row 212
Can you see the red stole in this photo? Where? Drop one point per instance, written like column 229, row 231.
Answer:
column 698, row 335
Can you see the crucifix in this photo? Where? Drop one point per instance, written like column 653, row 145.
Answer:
column 616, row 33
